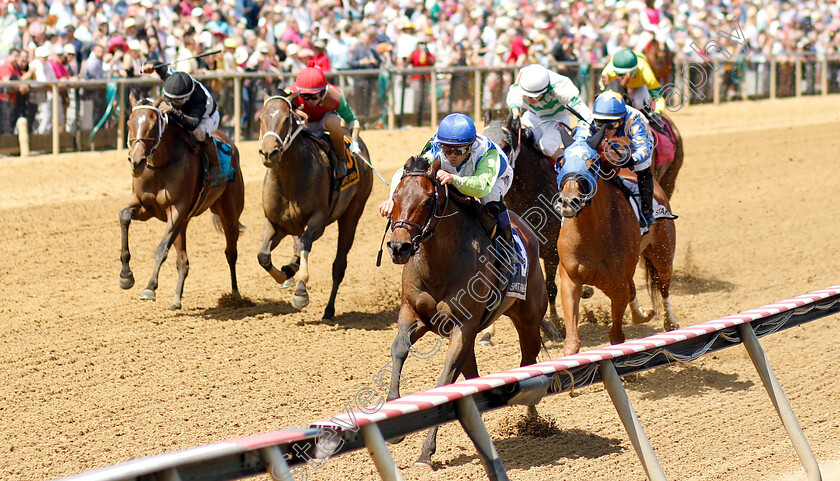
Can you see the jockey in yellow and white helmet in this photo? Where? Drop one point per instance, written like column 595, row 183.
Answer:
column 635, row 73
column 544, row 99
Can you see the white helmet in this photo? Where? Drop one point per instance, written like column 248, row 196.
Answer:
column 534, row 80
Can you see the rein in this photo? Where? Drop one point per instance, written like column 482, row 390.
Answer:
column 427, row 230
column 162, row 122
column 292, row 118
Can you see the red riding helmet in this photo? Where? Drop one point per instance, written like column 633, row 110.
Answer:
column 311, row 80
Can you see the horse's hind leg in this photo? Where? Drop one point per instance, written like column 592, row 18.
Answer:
column 232, row 228
column 183, row 266
column 271, row 238
column 554, row 327
column 173, row 229
column 346, row 235
column 314, row 230
column 659, row 258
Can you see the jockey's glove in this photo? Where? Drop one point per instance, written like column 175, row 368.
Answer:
column 354, row 148
column 659, row 105
column 515, row 124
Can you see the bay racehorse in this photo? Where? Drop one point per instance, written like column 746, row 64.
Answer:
column 449, row 279
column 664, row 171
column 661, row 60
column 600, row 243
column 299, row 200
column 168, row 183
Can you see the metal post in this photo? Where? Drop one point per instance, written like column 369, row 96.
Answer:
column 477, row 96
column 772, row 78
column 120, row 117
column 631, row 422
column 780, row 402
column 590, row 85
column 686, row 87
column 471, row 421
column 824, row 75
column 716, row 84
column 798, row 76
column 237, row 110
column 275, row 464
column 170, row 475
column 392, row 105
column 56, row 131
column 379, row 452
column 433, row 98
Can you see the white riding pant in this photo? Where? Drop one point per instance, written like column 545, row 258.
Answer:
column 207, row 126
column 639, row 96
column 501, row 186
column 547, row 131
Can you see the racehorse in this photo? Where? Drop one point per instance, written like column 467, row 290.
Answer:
column 447, row 253
column 168, row 183
column 661, row 60
column 665, row 173
column 299, row 197
column 600, row 243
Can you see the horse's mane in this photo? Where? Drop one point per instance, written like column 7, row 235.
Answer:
column 416, row 164
column 616, row 86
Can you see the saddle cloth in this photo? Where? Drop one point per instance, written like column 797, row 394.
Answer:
column 517, row 271
column 659, row 210
column 352, row 178
column 224, row 152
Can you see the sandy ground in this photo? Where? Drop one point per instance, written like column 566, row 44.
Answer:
column 92, row 376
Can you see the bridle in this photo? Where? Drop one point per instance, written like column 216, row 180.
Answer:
column 162, row 121
column 291, row 132
column 427, row 230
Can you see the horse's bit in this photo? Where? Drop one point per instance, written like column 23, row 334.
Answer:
column 290, row 136
column 162, row 120
column 425, row 231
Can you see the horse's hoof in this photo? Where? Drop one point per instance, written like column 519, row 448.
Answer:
column 288, row 283
column 485, row 340
column 148, row 295
column 175, row 306
column 127, row 282
column 647, row 315
column 587, row 292
column 421, row 463
column 671, row 325
column 300, row 301
column 396, row 440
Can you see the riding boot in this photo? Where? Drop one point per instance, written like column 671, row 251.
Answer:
column 340, row 167
column 208, row 145
column 645, row 178
column 500, row 212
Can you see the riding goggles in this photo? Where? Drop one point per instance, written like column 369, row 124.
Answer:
column 608, row 124
column 455, row 149
column 310, row 96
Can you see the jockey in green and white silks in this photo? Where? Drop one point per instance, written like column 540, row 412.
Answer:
column 472, row 163
column 627, row 130
column 542, row 98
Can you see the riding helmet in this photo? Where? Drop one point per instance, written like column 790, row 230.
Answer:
column 534, row 80
column 311, row 80
column 178, row 86
column 625, row 61
column 456, row 129
column 609, row 106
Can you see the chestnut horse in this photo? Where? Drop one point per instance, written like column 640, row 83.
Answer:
column 600, row 243
column 298, row 197
column 168, row 183
column 661, row 60
column 447, row 254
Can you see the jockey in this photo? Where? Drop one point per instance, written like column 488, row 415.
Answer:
column 325, row 107
column 191, row 105
column 546, row 98
column 627, row 130
column 472, row 163
column 634, row 71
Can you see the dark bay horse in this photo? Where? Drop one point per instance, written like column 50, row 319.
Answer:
column 449, row 280
column 600, row 243
column 298, row 197
column 168, row 183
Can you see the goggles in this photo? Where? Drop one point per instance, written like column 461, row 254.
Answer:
column 609, row 124
column 455, row 149
column 309, row 97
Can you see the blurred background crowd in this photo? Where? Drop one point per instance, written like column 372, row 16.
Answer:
column 68, row 39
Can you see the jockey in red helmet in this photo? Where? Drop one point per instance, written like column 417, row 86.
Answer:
column 325, row 107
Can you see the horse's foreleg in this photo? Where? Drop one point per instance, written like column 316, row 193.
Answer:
column 460, row 345
column 639, row 315
column 183, row 266
column 313, row 231
column 618, row 306
column 409, row 330
column 271, row 238
column 173, row 228
column 126, row 276
column 346, row 234
column 570, row 292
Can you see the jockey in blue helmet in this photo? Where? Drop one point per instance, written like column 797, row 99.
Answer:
column 627, row 130
column 472, row 163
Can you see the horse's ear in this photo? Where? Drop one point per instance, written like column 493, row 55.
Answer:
column 131, row 100
column 596, row 139
column 294, row 97
column 158, row 101
column 488, row 117
column 409, row 162
column 567, row 139
column 434, row 168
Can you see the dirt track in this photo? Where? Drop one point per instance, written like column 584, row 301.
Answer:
column 92, row 376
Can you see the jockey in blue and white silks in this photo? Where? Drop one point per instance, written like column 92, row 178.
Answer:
column 631, row 140
column 471, row 162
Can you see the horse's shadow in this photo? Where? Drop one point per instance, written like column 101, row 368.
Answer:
column 368, row 321
column 686, row 380
column 525, row 451
column 688, row 283
column 236, row 310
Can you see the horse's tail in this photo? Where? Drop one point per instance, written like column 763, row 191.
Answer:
column 217, row 223
column 653, row 284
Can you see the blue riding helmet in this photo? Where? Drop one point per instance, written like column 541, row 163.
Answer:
column 456, row 129
column 609, row 106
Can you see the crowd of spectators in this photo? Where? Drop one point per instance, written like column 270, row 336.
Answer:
column 69, row 39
